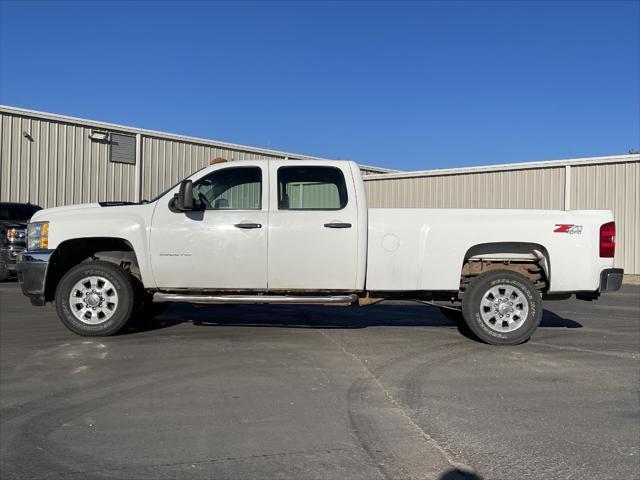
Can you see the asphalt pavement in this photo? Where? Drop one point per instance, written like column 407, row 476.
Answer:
column 390, row 391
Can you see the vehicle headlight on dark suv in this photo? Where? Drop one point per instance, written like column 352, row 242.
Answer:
column 38, row 236
column 15, row 235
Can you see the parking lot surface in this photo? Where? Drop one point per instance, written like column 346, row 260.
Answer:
column 390, row 391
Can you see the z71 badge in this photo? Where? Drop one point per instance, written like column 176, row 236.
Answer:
column 568, row 228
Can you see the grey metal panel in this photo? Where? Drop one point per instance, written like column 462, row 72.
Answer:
column 57, row 164
column 535, row 188
column 613, row 187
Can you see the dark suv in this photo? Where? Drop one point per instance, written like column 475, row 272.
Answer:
column 13, row 234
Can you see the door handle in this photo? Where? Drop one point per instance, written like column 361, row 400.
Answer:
column 337, row 225
column 248, row 225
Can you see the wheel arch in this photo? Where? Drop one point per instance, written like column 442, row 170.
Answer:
column 510, row 256
column 72, row 252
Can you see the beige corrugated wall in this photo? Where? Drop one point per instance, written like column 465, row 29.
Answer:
column 613, row 186
column 51, row 163
column 50, row 160
column 536, row 188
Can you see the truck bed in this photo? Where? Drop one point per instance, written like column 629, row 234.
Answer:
column 419, row 249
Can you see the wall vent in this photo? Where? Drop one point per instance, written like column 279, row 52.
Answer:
column 123, row 148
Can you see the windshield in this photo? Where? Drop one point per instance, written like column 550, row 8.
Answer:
column 18, row 212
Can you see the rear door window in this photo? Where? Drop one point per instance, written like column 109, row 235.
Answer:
column 311, row 188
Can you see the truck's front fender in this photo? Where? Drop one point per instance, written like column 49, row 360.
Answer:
column 129, row 223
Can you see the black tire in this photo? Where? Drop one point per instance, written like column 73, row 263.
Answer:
column 498, row 301
column 122, row 284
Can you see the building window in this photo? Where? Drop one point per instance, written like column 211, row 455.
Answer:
column 123, row 148
column 311, row 188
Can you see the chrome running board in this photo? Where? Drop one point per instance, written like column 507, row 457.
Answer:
column 252, row 299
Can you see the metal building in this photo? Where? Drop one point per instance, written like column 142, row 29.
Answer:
column 54, row 160
column 57, row 160
column 586, row 183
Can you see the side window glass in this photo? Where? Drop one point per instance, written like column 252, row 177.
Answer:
column 311, row 188
column 237, row 188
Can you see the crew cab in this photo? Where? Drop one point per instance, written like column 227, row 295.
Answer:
column 294, row 231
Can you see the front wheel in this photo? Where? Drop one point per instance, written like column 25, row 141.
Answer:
column 502, row 307
column 95, row 298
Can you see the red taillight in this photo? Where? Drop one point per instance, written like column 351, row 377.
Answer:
column 608, row 240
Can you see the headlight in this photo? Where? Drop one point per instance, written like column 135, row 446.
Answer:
column 38, row 236
column 15, row 235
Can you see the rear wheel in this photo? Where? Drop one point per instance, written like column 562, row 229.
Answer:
column 95, row 298
column 502, row 307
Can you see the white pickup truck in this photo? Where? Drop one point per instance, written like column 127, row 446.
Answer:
column 283, row 231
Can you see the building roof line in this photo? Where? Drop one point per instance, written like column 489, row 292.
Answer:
column 508, row 167
column 171, row 136
column 380, row 170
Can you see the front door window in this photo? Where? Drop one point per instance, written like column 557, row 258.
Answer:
column 237, row 188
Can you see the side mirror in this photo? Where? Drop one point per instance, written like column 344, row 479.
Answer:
column 183, row 200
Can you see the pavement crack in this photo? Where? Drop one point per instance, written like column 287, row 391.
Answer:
column 401, row 409
column 626, row 355
column 194, row 463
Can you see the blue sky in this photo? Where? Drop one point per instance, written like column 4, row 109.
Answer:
column 402, row 85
